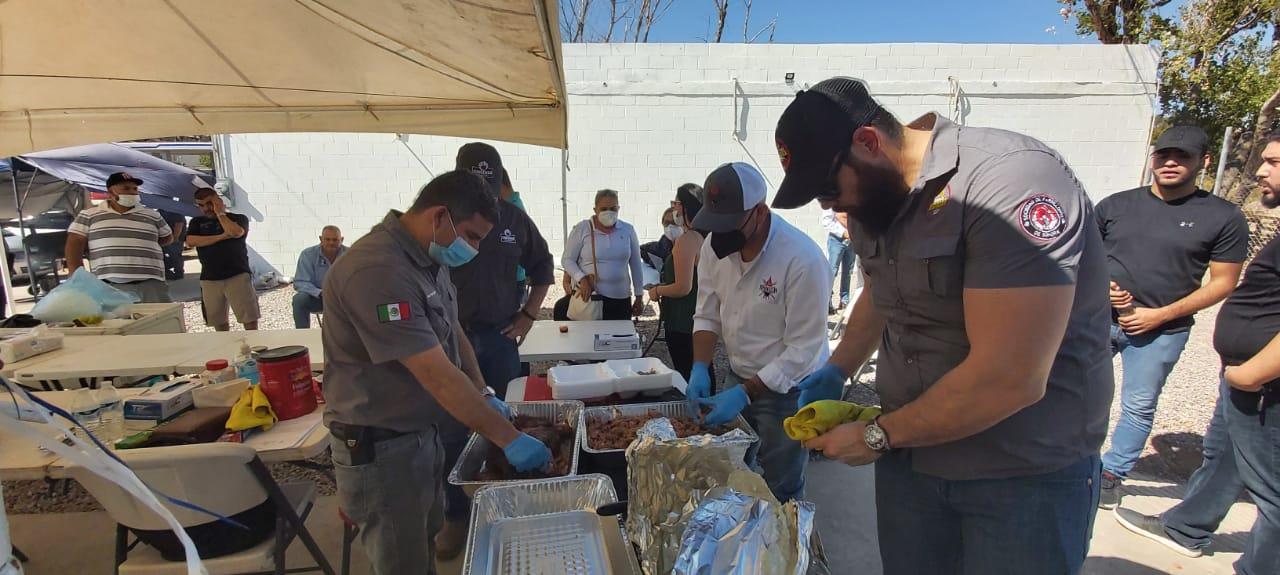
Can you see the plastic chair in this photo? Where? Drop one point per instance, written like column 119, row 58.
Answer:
column 226, row 478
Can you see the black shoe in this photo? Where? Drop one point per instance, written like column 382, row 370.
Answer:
column 1152, row 528
column 831, row 310
column 1111, row 485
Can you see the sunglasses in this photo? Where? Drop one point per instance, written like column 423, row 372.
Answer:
column 830, row 191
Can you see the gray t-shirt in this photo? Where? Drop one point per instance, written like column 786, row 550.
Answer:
column 385, row 299
column 992, row 209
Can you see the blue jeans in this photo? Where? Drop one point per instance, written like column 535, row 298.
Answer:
column 499, row 360
column 303, row 306
column 1033, row 524
column 1241, row 452
column 396, row 500
column 842, row 259
column 780, row 459
column 1147, row 359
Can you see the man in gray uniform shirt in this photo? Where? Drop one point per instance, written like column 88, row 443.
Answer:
column 988, row 302
column 398, row 368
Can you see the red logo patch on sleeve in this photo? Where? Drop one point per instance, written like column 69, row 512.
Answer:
column 1042, row 218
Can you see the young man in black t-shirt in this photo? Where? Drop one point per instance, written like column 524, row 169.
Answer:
column 1160, row 239
column 225, row 277
column 1242, row 445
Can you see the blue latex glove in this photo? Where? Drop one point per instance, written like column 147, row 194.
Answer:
column 499, row 405
column 699, row 382
column 826, row 383
column 725, row 405
column 527, row 453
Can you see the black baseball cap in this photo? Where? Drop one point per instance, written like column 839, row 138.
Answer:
column 122, row 177
column 813, row 129
column 731, row 192
column 482, row 160
column 1189, row 139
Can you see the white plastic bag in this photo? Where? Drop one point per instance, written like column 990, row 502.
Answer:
column 84, row 295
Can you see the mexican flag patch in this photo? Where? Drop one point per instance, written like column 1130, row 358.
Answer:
column 393, row 311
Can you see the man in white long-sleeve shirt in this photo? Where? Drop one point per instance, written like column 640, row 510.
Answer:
column 756, row 279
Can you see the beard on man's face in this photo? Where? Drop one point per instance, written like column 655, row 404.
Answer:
column 1270, row 199
column 881, row 193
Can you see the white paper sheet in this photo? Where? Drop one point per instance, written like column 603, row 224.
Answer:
column 287, row 434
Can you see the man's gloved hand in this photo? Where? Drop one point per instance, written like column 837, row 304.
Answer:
column 527, row 453
column 699, row 382
column 725, row 405
column 499, row 405
column 826, row 383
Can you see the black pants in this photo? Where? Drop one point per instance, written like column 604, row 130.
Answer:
column 615, row 308
column 680, row 346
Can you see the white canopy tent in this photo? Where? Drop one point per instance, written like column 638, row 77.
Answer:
column 88, row 71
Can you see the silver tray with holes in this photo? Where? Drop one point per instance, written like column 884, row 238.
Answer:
column 547, row 527
column 466, row 471
column 667, row 408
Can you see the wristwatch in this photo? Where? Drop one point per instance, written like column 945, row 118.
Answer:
column 875, row 436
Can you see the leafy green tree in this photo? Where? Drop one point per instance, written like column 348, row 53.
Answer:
column 1219, row 66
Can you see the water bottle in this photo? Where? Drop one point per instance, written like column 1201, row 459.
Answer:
column 85, row 411
column 246, row 365
column 110, row 415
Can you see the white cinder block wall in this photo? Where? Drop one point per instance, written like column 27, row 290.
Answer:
column 645, row 118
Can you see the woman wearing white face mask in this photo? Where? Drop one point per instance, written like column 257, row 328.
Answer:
column 602, row 256
column 677, row 296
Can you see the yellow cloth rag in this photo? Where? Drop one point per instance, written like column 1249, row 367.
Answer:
column 251, row 410
column 821, row 416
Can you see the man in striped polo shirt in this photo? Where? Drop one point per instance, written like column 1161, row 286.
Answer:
column 123, row 240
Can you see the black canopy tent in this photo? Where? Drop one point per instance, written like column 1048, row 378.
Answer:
column 58, row 182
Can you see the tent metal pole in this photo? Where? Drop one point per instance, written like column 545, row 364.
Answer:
column 564, row 194
column 22, row 229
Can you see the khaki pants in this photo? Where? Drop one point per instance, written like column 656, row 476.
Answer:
column 236, row 291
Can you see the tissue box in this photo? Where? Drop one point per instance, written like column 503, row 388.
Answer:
column 615, row 342
column 162, row 401
column 35, row 342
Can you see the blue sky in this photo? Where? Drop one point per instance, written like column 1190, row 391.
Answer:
column 838, row 21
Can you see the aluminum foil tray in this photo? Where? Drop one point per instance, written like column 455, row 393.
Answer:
column 465, row 473
column 547, row 527
column 672, row 408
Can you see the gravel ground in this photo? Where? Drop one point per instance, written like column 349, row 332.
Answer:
column 1172, row 454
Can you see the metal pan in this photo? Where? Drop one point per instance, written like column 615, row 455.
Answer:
column 669, row 408
column 547, row 527
column 465, row 473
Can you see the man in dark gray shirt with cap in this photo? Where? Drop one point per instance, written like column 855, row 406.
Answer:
column 988, row 303
column 491, row 314
column 398, row 369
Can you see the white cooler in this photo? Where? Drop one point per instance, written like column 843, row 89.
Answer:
column 143, row 318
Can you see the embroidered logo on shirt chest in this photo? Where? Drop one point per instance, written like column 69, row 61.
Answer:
column 768, row 290
column 507, row 237
column 1186, row 224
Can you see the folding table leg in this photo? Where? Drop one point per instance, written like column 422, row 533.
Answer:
column 286, row 510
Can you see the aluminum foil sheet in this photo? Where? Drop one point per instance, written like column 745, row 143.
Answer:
column 465, row 472
column 810, row 558
column 667, row 480
column 735, row 533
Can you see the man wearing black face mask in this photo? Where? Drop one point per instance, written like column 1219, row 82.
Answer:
column 988, row 301
column 758, row 277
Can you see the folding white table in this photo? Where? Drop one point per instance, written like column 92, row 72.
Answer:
column 21, row 459
column 545, row 342
column 226, row 345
